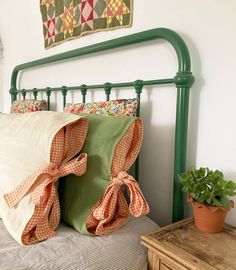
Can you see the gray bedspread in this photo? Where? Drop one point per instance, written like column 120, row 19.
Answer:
column 70, row 250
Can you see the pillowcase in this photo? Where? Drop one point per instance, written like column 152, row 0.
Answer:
column 94, row 203
column 35, row 150
column 119, row 107
column 28, row 105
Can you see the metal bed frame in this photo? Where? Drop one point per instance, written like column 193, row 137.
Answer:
column 183, row 82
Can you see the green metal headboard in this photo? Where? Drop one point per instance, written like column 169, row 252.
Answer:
column 183, row 82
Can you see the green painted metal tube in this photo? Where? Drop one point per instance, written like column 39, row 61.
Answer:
column 183, row 81
column 35, row 93
column 180, row 150
column 100, row 86
column 23, row 93
column 107, row 89
column 158, row 33
column 64, row 93
column 83, row 89
column 48, row 93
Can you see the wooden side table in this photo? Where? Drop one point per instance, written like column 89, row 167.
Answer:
column 180, row 246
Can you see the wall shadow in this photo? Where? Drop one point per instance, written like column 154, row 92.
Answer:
column 156, row 163
column 1, row 77
column 1, row 85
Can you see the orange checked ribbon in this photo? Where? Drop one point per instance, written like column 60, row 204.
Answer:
column 38, row 182
column 112, row 210
column 46, row 217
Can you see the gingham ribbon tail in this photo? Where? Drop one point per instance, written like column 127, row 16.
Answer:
column 113, row 208
column 39, row 182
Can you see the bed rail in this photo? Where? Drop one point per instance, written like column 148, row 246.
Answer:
column 183, row 82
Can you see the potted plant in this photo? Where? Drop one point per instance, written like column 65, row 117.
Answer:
column 208, row 192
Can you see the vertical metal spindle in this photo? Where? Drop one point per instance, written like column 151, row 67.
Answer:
column 48, row 93
column 138, row 85
column 13, row 93
column 23, row 93
column 35, row 93
column 64, row 93
column 83, row 90
column 107, row 88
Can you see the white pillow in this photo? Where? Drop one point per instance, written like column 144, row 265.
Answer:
column 28, row 146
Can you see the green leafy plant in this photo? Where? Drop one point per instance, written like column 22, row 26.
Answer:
column 207, row 186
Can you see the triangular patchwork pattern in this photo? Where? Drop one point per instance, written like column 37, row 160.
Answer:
column 66, row 19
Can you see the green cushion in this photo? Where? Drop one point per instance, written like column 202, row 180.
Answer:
column 79, row 194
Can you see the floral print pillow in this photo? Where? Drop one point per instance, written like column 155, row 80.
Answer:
column 119, row 107
column 28, row 105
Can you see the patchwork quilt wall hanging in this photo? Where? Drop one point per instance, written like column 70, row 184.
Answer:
column 68, row 19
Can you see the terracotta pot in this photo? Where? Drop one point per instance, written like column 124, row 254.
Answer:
column 207, row 218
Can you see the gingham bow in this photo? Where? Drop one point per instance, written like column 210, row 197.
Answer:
column 113, row 201
column 46, row 175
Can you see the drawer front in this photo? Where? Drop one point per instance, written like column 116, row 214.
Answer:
column 164, row 266
column 160, row 261
column 168, row 264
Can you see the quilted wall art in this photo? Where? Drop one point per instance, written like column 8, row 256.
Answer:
column 68, row 19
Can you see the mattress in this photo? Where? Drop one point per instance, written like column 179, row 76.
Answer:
column 70, row 250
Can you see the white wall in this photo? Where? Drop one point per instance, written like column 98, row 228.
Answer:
column 208, row 28
column 1, row 80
